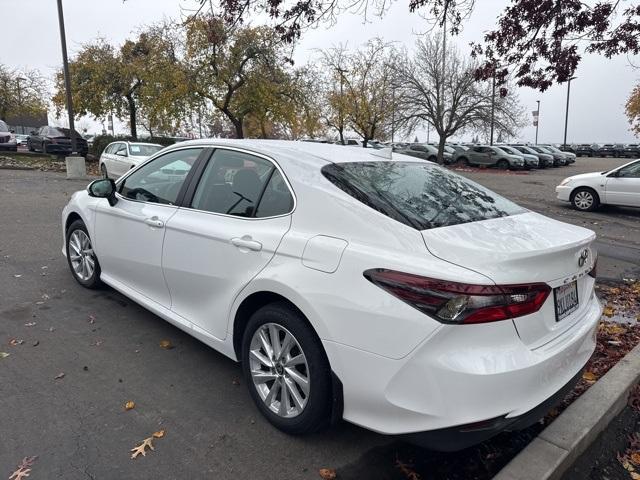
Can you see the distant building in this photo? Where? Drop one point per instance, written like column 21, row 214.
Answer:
column 24, row 124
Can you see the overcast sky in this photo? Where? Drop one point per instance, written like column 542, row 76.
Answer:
column 31, row 40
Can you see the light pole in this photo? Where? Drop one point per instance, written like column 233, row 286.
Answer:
column 341, row 71
column 67, row 78
column 566, row 116
column 537, row 120
column 493, row 104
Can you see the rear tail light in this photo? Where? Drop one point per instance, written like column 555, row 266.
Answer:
column 461, row 303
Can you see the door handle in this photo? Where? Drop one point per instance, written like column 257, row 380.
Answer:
column 247, row 242
column 154, row 222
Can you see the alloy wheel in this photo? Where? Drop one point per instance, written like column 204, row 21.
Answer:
column 81, row 255
column 279, row 370
column 583, row 200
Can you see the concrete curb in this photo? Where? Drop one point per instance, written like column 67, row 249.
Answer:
column 559, row 445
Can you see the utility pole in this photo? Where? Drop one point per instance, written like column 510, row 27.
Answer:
column 67, row 78
column 537, row 120
column 566, row 116
column 493, row 104
column 393, row 112
column 341, row 71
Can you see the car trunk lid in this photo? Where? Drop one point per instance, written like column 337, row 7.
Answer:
column 523, row 249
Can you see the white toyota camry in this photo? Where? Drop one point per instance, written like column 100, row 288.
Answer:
column 392, row 293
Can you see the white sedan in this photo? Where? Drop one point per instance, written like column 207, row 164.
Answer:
column 392, row 293
column 619, row 186
column 120, row 157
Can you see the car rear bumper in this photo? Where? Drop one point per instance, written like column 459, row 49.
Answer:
column 462, row 375
column 563, row 192
column 11, row 147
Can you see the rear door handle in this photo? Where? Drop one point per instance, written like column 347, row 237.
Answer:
column 247, row 242
column 154, row 222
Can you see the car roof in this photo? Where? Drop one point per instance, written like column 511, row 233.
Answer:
column 309, row 153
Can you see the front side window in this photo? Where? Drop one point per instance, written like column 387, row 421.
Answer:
column 121, row 150
column 422, row 196
column 240, row 184
column 160, row 180
column 630, row 171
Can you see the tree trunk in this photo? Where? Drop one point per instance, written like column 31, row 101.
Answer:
column 443, row 140
column 341, row 134
column 132, row 117
column 237, row 124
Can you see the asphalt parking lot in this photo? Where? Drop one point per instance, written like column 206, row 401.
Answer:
column 108, row 349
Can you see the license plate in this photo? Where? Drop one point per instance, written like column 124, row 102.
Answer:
column 566, row 299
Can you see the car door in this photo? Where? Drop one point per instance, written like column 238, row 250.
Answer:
column 129, row 235
column 624, row 187
column 106, row 159
column 233, row 225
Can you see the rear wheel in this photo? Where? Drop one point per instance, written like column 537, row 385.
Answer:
column 286, row 370
column 433, row 158
column 503, row 164
column 585, row 199
column 103, row 171
column 463, row 161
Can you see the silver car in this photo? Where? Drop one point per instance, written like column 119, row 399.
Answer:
column 490, row 156
column 7, row 139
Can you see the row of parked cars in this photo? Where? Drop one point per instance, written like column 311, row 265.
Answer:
column 54, row 140
column 616, row 150
column 515, row 156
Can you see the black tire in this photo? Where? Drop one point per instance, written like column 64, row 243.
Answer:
column 463, row 161
column 103, row 171
column 317, row 410
column 503, row 164
column 433, row 158
column 583, row 193
column 94, row 280
column 30, row 147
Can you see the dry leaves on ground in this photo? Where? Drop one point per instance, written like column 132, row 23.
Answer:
column 4, row 355
column 129, row 405
column 407, row 470
column 327, row 473
column 166, row 344
column 630, row 460
column 146, row 443
column 24, row 469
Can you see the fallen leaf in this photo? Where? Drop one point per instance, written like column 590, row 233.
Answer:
column 4, row 354
column 17, row 276
column 92, row 319
column 44, row 267
column 51, row 329
column 158, row 434
column 608, row 311
column 635, row 458
column 635, row 475
column 97, row 343
column 30, row 324
column 129, row 405
column 589, row 376
column 24, row 469
column 327, row 473
column 166, row 344
column 59, row 376
column 14, row 341
column 36, row 343
column 140, row 449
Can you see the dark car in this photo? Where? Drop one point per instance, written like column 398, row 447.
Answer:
column 56, row 140
column 7, row 139
column 585, row 150
column 610, row 150
column 632, row 150
column 558, row 158
column 544, row 159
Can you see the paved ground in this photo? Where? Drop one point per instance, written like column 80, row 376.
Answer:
column 107, row 348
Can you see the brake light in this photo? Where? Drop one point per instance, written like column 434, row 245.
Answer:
column 461, row 303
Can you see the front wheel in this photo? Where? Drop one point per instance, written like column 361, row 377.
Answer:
column 286, row 370
column 585, row 199
column 81, row 258
column 503, row 164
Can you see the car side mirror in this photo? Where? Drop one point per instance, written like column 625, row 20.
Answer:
column 103, row 188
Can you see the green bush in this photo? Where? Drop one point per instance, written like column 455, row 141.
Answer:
column 100, row 142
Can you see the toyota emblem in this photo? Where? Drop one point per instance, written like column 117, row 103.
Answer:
column 582, row 259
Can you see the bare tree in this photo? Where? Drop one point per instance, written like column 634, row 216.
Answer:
column 453, row 102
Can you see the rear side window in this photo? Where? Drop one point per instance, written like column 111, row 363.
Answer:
column 422, row 196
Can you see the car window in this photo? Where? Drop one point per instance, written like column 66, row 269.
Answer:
column 160, row 181
column 277, row 199
column 630, row 171
column 232, row 183
column 422, row 196
column 142, row 150
column 121, row 149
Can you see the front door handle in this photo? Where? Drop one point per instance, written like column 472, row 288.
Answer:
column 154, row 222
column 247, row 242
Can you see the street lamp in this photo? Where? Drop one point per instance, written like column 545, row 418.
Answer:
column 67, row 78
column 566, row 116
column 537, row 120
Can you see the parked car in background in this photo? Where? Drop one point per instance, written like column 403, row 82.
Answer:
column 586, row 150
column 545, row 160
column 22, row 139
column 120, row 157
column 619, row 186
column 610, row 150
column 568, row 156
column 425, row 151
column 486, row 155
column 530, row 161
column 7, row 138
column 632, row 150
column 56, row 140
column 558, row 158
column 392, row 293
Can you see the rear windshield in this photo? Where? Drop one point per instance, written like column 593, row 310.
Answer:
column 143, row 150
column 420, row 195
